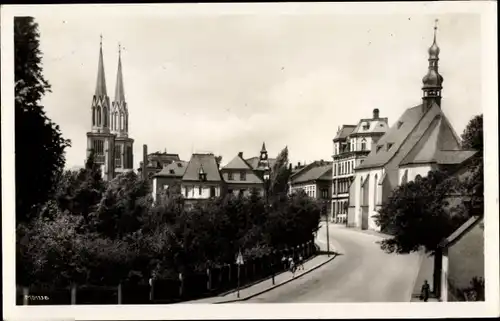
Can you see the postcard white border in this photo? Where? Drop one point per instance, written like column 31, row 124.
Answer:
column 487, row 10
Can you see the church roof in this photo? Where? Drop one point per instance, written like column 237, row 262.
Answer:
column 175, row 169
column 314, row 173
column 120, row 91
column 254, row 162
column 345, row 131
column 209, row 165
column 100, row 89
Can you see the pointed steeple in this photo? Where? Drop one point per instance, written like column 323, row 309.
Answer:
column 120, row 91
column 100, row 89
column 263, row 149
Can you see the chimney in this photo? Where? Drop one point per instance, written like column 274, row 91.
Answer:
column 240, row 154
column 375, row 113
column 144, row 160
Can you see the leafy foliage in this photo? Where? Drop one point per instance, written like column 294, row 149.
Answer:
column 35, row 133
column 472, row 137
column 417, row 214
column 280, row 175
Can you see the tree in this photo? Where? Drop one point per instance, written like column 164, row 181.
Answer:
column 81, row 192
column 473, row 185
column 416, row 214
column 35, row 134
column 280, row 175
column 123, row 205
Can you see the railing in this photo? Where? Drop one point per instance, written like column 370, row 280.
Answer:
column 191, row 286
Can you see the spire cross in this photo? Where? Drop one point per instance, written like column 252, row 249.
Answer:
column 435, row 28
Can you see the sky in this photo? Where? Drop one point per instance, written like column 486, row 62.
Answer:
column 224, row 83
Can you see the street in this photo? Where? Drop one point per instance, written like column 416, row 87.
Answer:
column 361, row 273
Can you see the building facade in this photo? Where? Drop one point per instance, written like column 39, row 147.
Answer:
column 170, row 176
column 350, row 146
column 153, row 163
column 315, row 180
column 422, row 139
column 109, row 136
column 202, row 179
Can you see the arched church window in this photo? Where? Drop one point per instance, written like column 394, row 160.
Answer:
column 105, row 114
column 98, row 116
column 363, row 144
column 375, row 190
column 93, row 116
column 122, row 122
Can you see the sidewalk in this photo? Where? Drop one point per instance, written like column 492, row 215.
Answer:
column 267, row 285
column 357, row 229
column 425, row 273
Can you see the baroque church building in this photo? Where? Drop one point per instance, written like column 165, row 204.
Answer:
column 108, row 138
column 420, row 141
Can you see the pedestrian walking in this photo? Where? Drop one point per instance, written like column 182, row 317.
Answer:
column 424, row 293
column 293, row 267
column 301, row 263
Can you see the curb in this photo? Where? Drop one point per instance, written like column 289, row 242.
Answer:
column 278, row 285
column 261, row 280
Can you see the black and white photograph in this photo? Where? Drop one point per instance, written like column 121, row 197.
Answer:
column 187, row 161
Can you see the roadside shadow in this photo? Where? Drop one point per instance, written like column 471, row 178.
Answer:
column 322, row 252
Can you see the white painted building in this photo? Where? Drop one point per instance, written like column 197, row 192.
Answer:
column 421, row 140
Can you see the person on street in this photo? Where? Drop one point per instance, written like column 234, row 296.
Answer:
column 424, row 294
column 292, row 267
column 301, row 263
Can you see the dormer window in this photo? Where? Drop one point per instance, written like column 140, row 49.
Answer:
column 202, row 175
column 230, row 176
column 379, row 147
column 366, row 126
column 179, row 165
column 363, row 144
column 389, row 145
column 400, row 123
column 172, row 171
column 243, row 176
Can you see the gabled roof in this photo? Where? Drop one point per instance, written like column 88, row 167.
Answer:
column 315, row 172
column 345, row 131
column 439, row 136
column 209, row 165
column 461, row 231
column 376, row 126
column 254, row 162
column 404, row 136
column 176, row 169
column 237, row 163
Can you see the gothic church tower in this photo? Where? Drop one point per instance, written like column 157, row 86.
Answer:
column 109, row 135
column 119, row 125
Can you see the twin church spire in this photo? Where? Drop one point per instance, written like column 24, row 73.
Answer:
column 105, row 117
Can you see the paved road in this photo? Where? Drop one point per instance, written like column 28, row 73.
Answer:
column 363, row 273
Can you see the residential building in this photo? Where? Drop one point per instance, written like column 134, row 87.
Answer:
column 202, row 179
column 155, row 162
column 169, row 175
column 241, row 178
column 350, row 146
column 109, row 138
column 462, row 260
column 315, row 180
column 421, row 140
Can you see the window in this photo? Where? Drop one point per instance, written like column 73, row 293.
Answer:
column 187, row 191
column 242, row 192
column 379, row 147
column 243, row 176
column 98, row 122
column 179, row 165
column 118, row 156
column 389, row 145
column 93, row 116
column 172, row 172
column 366, row 126
column 200, row 190
column 230, row 176
column 212, row 191
column 334, row 170
column 363, row 144
column 375, row 188
column 105, row 113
